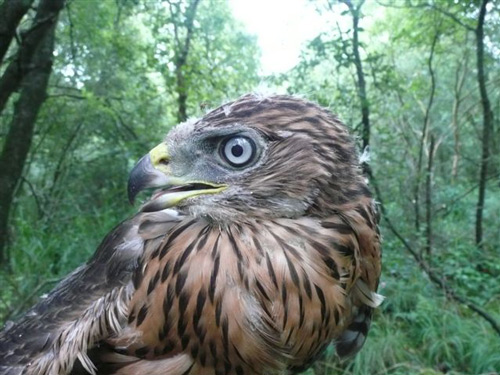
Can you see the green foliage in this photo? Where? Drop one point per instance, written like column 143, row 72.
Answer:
column 222, row 62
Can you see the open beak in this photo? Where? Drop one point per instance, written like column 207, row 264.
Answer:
column 153, row 171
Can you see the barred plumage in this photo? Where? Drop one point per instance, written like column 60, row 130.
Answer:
column 249, row 267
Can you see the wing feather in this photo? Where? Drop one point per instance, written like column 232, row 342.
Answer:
column 87, row 306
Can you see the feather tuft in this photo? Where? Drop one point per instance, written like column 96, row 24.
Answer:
column 367, row 296
column 365, row 156
column 87, row 364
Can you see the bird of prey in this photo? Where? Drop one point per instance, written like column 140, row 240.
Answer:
column 258, row 249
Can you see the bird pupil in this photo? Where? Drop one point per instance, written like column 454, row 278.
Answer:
column 237, row 150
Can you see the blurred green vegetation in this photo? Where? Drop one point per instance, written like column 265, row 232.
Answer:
column 114, row 93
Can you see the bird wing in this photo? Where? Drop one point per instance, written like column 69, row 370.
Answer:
column 363, row 220
column 87, row 306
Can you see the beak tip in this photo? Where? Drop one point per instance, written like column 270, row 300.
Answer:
column 137, row 180
column 144, row 175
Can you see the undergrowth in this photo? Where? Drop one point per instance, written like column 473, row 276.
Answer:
column 418, row 331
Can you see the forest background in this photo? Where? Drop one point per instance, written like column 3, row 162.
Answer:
column 87, row 87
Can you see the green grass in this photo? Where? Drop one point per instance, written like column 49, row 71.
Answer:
column 417, row 331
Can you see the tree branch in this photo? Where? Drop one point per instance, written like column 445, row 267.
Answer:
column 432, row 6
column 35, row 195
column 445, row 207
column 428, row 199
column 425, row 129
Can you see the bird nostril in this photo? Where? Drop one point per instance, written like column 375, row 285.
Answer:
column 164, row 161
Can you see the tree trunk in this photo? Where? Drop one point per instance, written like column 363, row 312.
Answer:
column 181, row 59
column 44, row 21
column 460, row 75
column 425, row 130
column 33, row 85
column 487, row 123
column 11, row 13
column 181, row 96
column 361, row 83
column 428, row 200
column 459, row 82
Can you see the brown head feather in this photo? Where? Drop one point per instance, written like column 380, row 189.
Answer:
column 308, row 164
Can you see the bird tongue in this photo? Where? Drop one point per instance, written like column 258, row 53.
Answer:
column 173, row 189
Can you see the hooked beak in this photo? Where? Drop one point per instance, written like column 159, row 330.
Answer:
column 153, row 171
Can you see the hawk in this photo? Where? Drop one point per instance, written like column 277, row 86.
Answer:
column 258, row 249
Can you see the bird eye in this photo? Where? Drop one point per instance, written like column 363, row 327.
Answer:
column 238, row 151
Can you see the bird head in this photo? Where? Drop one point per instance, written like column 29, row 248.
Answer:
column 256, row 157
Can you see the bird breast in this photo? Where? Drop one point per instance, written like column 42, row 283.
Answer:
column 243, row 299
